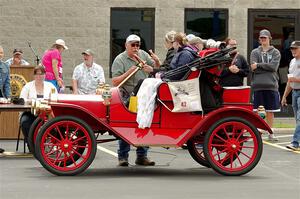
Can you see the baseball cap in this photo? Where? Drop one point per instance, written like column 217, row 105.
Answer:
column 265, row 33
column 17, row 51
column 189, row 37
column 88, row 52
column 132, row 38
column 62, row 43
column 295, row 44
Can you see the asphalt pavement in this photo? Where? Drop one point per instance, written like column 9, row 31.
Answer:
column 176, row 175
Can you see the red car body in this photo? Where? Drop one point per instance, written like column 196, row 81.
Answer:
column 231, row 143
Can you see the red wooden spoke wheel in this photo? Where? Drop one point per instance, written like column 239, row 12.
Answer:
column 65, row 145
column 232, row 146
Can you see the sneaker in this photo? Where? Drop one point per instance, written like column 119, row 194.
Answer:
column 272, row 137
column 1, row 150
column 292, row 147
column 144, row 161
column 123, row 163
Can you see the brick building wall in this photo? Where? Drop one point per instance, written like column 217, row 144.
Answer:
column 86, row 24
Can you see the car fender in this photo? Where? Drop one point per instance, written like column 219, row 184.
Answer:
column 95, row 122
column 229, row 111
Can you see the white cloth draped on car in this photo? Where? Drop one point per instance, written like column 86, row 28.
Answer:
column 146, row 101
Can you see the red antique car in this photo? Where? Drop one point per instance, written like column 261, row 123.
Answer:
column 69, row 127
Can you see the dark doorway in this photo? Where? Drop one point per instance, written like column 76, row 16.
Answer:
column 126, row 21
column 207, row 23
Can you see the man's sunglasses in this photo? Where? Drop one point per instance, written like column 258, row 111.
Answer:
column 135, row 45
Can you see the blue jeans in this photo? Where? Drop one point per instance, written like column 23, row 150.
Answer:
column 296, row 108
column 54, row 82
column 124, row 149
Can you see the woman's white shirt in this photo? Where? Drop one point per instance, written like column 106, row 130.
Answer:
column 28, row 92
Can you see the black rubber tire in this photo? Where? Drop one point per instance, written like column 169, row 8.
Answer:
column 194, row 152
column 90, row 157
column 252, row 164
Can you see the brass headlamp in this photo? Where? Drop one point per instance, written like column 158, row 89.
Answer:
column 106, row 95
column 38, row 106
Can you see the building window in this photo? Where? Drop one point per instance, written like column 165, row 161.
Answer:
column 207, row 23
column 126, row 21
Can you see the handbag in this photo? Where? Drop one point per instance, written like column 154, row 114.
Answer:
column 186, row 95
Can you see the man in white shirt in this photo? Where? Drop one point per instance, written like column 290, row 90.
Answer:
column 87, row 75
column 293, row 85
column 17, row 58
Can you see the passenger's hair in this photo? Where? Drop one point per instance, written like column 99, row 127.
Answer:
column 169, row 37
column 39, row 68
column 227, row 40
column 180, row 37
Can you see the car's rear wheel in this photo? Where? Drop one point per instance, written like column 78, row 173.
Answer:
column 233, row 146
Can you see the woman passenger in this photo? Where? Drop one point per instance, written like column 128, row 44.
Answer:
column 184, row 55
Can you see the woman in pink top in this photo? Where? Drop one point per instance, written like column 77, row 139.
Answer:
column 53, row 64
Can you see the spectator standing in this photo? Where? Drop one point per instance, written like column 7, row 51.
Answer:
column 52, row 61
column 87, row 75
column 234, row 74
column 4, row 80
column 293, row 85
column 264, row 64
column 123, row 65
column 4, row 76
column 17, row 58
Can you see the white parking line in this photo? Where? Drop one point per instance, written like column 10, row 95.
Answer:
column 284, row 136
column 107, row 151
column 281, row 143
column 280, row 147
column 279, row 136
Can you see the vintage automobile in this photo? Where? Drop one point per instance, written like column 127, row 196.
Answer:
column 226, row 138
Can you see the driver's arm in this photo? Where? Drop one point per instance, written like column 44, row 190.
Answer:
column 118, row 78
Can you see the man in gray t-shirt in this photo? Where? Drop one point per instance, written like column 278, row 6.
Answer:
column 123, row 65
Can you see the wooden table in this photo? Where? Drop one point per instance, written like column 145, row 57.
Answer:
column 9, row 119
column 9, row 113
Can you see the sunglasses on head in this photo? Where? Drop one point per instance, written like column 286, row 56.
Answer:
column 135, row 45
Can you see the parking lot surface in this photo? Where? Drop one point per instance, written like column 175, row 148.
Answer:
column 176, row 175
